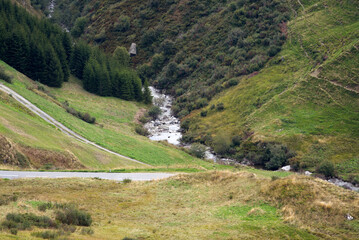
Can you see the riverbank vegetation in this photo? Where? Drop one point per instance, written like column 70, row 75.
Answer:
column 208, row 205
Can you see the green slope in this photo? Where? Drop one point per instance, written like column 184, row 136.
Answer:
column 307, row 97
column 115, row 128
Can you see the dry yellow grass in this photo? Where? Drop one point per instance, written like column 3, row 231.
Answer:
column 209, row 205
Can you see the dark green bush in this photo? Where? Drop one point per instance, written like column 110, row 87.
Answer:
column 327, row 169
column 83, row 116
column 127, row 180
column 220, row 107
column 26, row 221
column 221, row 144
column 154, row 111
column 203, row 113
column 74, row 216
column 236, row 140
column 271, row 156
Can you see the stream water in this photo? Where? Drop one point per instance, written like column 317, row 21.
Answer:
column 51, row 8
column 168, row 127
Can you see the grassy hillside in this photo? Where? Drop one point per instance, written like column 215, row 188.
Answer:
column 211, row 205
column 307, row 97
column 32, row 135
column 114, row 128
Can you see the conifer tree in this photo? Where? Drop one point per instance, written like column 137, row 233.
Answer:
column 66, row 42
column 36, row 62
column 53, row 75
column 89, row 77
column 137, row 87
column 122, row 56
column 81, row 54
column 147, row 97
column 104, row 87
column 17, row 50
column 125, row 88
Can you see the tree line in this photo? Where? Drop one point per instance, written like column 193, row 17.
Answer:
column 46, row 53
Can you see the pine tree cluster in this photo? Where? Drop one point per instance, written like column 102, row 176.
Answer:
column 104, row 74
column 33, row 46
column 46, row 53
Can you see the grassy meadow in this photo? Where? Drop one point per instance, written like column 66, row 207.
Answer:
column 209, row 205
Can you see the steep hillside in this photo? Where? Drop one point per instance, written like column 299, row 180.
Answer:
column 27, row 141
column 193, row 49
column 114, row 129
column 307, row 97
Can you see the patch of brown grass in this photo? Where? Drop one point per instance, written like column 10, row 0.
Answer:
column 40, row 157
column 312, row 202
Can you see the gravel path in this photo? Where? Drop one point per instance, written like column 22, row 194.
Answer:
column 108, row 176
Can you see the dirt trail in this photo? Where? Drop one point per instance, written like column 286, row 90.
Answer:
column 57, row 124
column 316, row 73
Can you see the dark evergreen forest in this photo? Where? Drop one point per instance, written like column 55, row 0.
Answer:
column 46, row 53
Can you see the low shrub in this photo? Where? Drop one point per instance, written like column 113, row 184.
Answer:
column 13, row 231
column 154, row 112
column 26, row 221
column 327, row 169
column 46, row 235
column 198, row 150
column 6, row 199
column 87, row 231
column 221, row 144
column 203, row 113
column 141, row 130
column 236, row 140
column 127, row 180
column 45, row 206
column 271, row 156
column 74, row 216
column 81, row 115
column 144, row 119
column 5, row 76
column 220, row 107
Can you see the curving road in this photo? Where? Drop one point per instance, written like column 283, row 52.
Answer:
column 57, row 124
column 108, row 176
